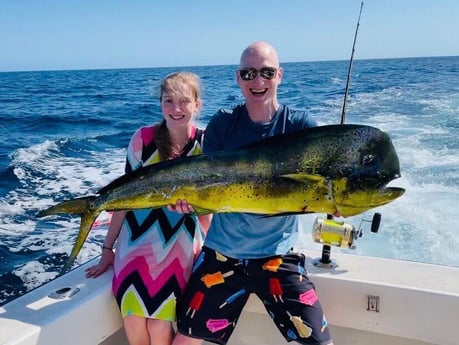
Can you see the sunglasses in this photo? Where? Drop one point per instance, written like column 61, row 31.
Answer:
column 251, row 73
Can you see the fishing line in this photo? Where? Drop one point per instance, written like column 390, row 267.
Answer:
column 346, row 93
column 326, row 249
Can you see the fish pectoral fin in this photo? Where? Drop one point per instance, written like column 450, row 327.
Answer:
column 304, row 178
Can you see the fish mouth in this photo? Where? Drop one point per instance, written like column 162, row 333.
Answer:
column 355, row 202
column 355, row 196
column 378, row 181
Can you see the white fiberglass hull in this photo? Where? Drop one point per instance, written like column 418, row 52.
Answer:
column 417, row 304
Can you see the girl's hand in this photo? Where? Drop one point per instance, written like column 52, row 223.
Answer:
column 106, row 260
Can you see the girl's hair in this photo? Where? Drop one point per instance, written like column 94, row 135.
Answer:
column 169, row 85
column 170, row 82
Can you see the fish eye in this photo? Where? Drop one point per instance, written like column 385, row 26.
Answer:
column 368, row 159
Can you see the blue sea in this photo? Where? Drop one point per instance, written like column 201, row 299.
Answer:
column 63, row 134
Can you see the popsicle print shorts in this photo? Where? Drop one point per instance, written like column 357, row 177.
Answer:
column 220, row 286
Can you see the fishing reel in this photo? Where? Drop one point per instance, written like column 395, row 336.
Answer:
column 330, row 232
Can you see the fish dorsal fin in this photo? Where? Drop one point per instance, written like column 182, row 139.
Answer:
column 304, row 178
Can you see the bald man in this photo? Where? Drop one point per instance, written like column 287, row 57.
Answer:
column 247, row 253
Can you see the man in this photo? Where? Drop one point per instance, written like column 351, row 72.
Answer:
column 247, row 253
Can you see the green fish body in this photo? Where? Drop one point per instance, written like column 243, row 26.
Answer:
column 332, row 169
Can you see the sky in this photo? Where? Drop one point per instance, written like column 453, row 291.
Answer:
column 92, row 34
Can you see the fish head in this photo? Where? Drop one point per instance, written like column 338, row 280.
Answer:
column 362, row 184
column 353, row 201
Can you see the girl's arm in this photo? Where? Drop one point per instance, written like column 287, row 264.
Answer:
column 205, row 220
column 106, row 258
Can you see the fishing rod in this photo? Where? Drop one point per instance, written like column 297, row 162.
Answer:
column 346, row 93
column 328, row 231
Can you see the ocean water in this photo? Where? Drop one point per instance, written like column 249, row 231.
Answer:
column 63, row 134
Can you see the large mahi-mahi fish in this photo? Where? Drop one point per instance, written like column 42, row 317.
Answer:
column 328, row 169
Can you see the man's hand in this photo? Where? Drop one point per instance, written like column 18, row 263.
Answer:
column 181, row 206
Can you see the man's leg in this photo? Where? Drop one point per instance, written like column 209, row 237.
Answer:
column 213, row 300
column 181, row 339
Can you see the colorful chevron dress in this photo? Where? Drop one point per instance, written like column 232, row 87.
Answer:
column 155, row 248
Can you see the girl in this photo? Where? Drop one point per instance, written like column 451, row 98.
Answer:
column 155, row 248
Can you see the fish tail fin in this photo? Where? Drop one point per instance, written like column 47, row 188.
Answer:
column 88, row 218
column 74, row 206
column 79, row 206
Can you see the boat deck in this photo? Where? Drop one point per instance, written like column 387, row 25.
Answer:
column 367, row 301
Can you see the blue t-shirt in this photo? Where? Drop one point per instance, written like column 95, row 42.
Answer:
column 248, row 235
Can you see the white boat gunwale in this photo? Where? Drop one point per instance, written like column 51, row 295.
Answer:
column 418, row 305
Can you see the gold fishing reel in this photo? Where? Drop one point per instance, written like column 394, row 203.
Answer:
column 330, row 232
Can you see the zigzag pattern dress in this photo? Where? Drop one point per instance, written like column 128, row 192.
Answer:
column 155, row 248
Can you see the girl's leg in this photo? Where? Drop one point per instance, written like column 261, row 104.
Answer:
column 181, row 339
column 160, row 332
column 136, row 330
column 143, row 331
